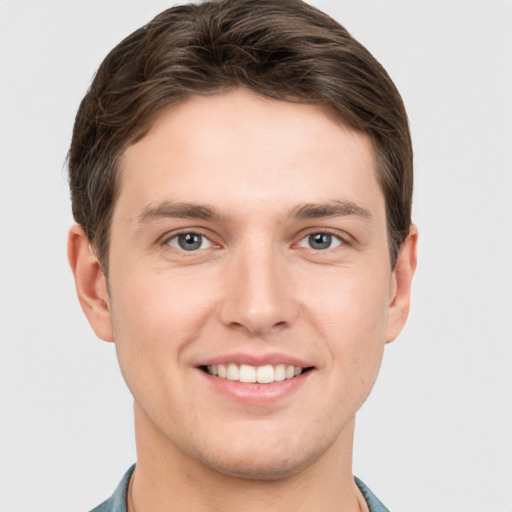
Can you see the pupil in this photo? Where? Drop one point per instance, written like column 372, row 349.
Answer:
column 189, row 241
column 320, row 240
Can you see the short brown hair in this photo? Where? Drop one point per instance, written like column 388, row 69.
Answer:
column 283, row 49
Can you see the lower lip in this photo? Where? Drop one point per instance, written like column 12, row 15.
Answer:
column 255, row 393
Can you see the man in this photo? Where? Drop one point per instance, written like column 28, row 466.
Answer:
column 241, row 178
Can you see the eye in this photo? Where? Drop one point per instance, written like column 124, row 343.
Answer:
column 189, row 241
column 320, row 241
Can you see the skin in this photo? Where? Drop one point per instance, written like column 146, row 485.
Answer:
column 256, row 288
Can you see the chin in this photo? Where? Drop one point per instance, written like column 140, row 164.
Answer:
column 265, row 459
column 258, row 467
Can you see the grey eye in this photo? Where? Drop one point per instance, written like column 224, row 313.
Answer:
column 320, row 241
column 189, row 241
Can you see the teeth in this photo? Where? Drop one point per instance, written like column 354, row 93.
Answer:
column 261, row 374
column 247, row 373
column 265, row 374
column 232, row 372
column 279, row 372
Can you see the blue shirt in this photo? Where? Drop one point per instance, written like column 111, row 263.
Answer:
column 117, row 502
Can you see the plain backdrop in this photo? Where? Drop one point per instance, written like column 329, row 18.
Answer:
column 436, row 434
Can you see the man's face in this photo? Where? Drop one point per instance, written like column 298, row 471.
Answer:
column 249, row 238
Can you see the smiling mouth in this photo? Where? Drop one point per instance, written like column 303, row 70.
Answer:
column 265, row 374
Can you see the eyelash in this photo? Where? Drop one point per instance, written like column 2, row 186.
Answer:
column 176, row 236
column 334, row 237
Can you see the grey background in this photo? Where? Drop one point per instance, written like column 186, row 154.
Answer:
column 436, row 434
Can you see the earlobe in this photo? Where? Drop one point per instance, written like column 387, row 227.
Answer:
column 90, row 283
column 401, row 286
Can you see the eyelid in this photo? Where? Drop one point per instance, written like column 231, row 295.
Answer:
column 344, row 238
column 165, row 239
column 304, row 241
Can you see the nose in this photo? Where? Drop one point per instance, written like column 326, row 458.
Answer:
column 258, row 291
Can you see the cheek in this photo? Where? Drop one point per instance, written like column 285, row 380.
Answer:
column 154, row 320
column 161, row 304
column 348, row 305
column 351, row 315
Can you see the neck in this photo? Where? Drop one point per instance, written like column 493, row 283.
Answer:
column 168, row 479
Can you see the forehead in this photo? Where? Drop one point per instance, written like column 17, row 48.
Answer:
column 239, row 148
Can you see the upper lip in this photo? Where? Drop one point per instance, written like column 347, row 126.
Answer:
column 256, row 360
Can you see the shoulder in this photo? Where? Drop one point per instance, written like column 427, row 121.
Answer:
column 374, row 504
column 117, row 502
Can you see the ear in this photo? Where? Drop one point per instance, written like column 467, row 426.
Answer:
column 91, row 285
column 401, row 285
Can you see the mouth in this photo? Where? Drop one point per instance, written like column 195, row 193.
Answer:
column 246, row 373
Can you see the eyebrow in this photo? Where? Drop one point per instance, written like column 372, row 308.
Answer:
column 331, row 209
column 171, row 209
column 178, row 210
